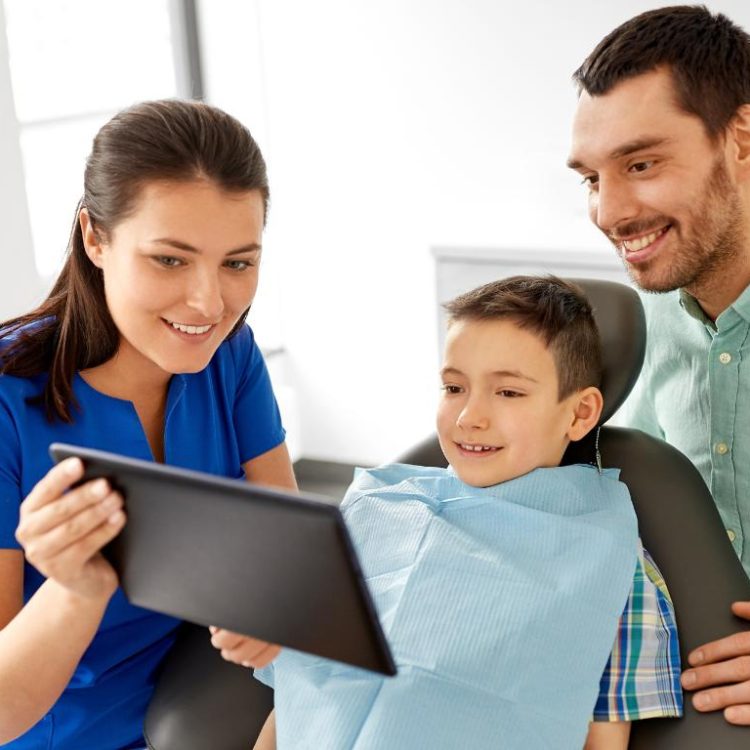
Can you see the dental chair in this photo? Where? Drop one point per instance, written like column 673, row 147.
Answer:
column 204, row 703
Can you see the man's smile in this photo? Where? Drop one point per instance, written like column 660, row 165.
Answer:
column 634, row 244
column 642, row 247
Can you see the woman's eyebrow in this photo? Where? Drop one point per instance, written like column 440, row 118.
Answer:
column 253, row 247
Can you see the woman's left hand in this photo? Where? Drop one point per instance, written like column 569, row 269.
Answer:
column 241, row 649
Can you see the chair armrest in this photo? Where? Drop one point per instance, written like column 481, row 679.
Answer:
column 203, row 702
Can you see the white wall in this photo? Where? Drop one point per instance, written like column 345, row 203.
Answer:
column 389, row 127
column 20, row 286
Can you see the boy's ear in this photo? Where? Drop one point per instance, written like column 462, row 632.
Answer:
column 92, row 243
column 588, row 404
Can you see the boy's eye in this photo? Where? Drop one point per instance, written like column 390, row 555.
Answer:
column 452, row 389
column 509, row 393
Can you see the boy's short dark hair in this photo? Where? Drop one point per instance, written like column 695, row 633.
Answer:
column 707, row 54
column 555, row 310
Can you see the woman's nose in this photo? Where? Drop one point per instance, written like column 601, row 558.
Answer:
column 205, row 296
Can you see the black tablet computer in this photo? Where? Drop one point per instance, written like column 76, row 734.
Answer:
column 264, row 562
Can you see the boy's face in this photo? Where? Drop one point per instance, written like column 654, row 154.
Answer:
column 499, row 415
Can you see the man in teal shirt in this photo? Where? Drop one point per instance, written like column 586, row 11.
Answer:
column 691, row 395
column 661, row 138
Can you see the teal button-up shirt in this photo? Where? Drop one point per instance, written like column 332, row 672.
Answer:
column 694, row 393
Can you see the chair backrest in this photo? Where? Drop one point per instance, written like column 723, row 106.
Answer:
column 619, row 316
column 679, row 525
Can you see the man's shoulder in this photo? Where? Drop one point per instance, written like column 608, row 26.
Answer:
column 666, row 320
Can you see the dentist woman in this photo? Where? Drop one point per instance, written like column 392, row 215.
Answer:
column 141, row 348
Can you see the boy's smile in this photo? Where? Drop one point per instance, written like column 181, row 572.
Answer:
column 477, row 451
column 500, row 415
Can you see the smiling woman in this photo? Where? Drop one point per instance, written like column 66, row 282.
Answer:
column 179, row 273
column 141, row 348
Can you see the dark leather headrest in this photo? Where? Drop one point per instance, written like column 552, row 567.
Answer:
column 622, row 326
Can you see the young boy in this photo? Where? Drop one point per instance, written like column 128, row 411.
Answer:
column 499, row 581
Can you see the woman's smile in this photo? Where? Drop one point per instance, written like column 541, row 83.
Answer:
column 190, row 332
column 212, row 240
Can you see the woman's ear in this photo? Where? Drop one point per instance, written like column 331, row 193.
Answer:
column 91, row 241
column 587, row 408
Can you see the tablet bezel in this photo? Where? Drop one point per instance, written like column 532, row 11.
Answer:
column 339, row 558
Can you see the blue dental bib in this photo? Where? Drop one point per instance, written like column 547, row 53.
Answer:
column 500, row 604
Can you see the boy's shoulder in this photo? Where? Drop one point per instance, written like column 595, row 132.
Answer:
column 404, row 480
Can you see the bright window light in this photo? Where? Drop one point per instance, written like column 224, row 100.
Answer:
column 74, row 63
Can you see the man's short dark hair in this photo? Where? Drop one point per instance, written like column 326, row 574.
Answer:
column 707, row 54
column 555, row 310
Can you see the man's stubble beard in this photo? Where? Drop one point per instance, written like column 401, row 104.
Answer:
column 716, row 241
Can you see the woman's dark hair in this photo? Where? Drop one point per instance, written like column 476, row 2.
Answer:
column 554, row 310
column 708, row 57
column 160, row 140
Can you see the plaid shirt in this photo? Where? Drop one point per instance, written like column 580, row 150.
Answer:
column 642, row 677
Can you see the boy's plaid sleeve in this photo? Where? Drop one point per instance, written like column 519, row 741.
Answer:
column 642, row 677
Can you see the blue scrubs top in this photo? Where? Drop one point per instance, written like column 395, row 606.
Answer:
column 215, row 421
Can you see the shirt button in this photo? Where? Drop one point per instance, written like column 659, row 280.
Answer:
column 725, row 358
column 731, row 535
column 721, row 448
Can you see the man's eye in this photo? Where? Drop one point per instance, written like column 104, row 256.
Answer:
column 590, row 181
column 640, row 166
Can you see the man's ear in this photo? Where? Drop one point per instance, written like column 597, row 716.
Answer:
column 92, row 242
column 587, row 408
column 739, row 141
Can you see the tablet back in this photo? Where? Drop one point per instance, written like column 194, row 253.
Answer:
column 267, row 563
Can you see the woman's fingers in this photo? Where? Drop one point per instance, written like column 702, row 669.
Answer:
column 82, row 530
column 55, row 518
column 49, row 488
column 225, row 639
column 62, row 530
column 64, row 565
column 264, row 657
column 54, row 514
column 249, row 652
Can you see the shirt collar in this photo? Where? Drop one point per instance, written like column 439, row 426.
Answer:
column 690, row 305
column 739, row 308
column 742, row 304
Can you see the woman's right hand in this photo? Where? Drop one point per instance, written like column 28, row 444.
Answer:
column 62, row 530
